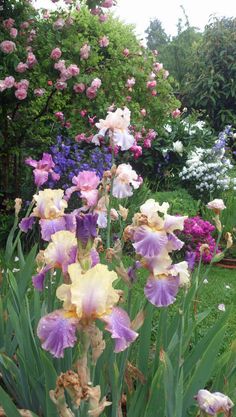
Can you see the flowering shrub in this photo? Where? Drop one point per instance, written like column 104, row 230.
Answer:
column 75, row 63
column 197, row 232
column 208, row 170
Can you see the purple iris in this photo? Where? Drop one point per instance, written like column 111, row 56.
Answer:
column 119, row 325
column 86, row 227
column 161, row 292
column 57, row 332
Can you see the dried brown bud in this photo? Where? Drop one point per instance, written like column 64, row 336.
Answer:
column 204, row 248
column 18, row 204
column 123, row 212
column 229, row 240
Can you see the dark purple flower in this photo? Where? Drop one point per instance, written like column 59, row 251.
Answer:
column 57, row 332
column 86, row 227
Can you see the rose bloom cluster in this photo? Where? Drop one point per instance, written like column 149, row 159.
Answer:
column 208, row 170
column 197, row 232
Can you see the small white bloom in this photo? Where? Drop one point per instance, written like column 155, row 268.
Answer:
column 178, row 147
column 221, row 307
column 205, row 281
column 16, row 259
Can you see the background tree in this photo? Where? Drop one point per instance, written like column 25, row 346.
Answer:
column 211, row 83
column 156, row 35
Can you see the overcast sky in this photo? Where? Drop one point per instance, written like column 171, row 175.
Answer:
column 140, row 12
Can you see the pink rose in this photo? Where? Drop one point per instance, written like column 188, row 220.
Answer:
column 59, row 23
column 60, row 65
column 21, row 67
column 39, row 92
column 61, row 85
column 59, row 115
column 154, row 93
column 96, row 11
column 136, row 151
column 176, row 113
column 73, row 70
column 7, row 47
column 143, row 112
column 130, row 83
column 128, row 98
column 103, row 42
column 13, row 32
column 55, row 54
column 79, row 88
column 2, row 86
column 9, row 82
column 85, row 51
column 157, row 66
column 8, row 23
column 126, row 52
column 31, row 60
column 21, row 93
column 91, row 92
column 103, row 17
column 24, row 25
column 83, row 113
column 22, row 84
column 107, row 3
column 96, row 83
column 151, row 84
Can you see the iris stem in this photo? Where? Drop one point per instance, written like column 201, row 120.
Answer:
column 109, row 205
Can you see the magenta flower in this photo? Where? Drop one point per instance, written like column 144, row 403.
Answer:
column 57, row 331
column 119, row 325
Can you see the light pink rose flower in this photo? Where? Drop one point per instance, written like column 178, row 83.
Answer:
column 103, row 42
column 126, row 52
column 61, row 85
column 21, row 93
column 154, row 93
column 39, row 92
column 176, row 113
column 73, row 70
column 83, row 113
column 9, row 82
column 31, row 60
column 95, row 12
column 46, row 14
column 56, row 53
column 24, row 25
column 166, row 74
column 91, row 93
column 143, row 112
column 21, row 67
column 85, row 51
column 60, row 65
column 107, row 3
column 79, row 88
column 59, row 115
column 130, row 82
column 13, row 32
column 59, row 23
column 152, row 76
column 128, row 98
column 96, row 83
column 158, row 66
column 8, row 23
column 7, row 47
column 151, row 84
column 2, row 86
column 103, row 18
column 22, row 84
column 136, row 151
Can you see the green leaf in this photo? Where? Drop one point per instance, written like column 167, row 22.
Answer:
column 8, row 405
column 205, row 364
column 50, row 383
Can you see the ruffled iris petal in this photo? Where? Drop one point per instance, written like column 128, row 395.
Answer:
column 161, row 292
column 49, row 227
column 148, row 242
column 26, row 223
column 119, row 325
column 57, row 332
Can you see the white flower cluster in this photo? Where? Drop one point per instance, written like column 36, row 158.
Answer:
column 208, row 170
